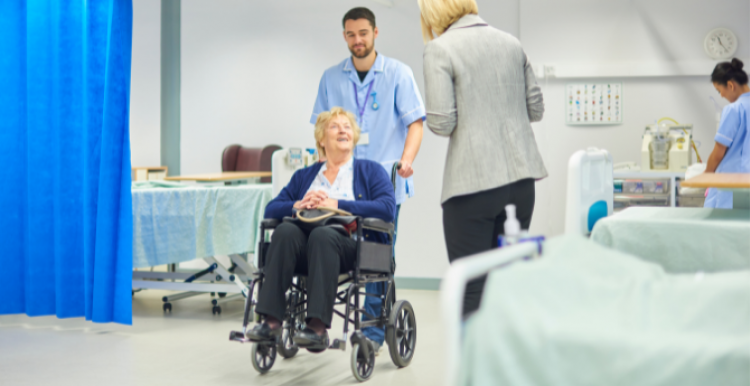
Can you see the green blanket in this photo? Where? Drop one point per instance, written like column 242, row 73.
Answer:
column 584, row 314
column 680, row 239
column 175, row 225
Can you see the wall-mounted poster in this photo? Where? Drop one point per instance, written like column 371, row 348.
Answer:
column 593, row 104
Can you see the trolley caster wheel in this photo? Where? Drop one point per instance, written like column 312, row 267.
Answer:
column 213, row 294
column 263, row 356
column 401, row 333
column 167, row 307
column 362, row 366
column 216, row 310
column 222, row 294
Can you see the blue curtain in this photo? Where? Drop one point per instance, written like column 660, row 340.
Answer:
column 65, row 222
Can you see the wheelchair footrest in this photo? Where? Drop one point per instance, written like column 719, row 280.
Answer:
column 238, row 336
column 338, row 345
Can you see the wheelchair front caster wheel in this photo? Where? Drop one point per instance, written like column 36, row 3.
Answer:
column 167, row 307
column 286, row 346
column 263, row 356
column 401, row 333
column 216, row 310
column 222, row 294
column 361, row 366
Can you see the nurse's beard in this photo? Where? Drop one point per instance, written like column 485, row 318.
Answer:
column 367, row 52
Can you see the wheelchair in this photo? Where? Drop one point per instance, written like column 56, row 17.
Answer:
column 374, row 264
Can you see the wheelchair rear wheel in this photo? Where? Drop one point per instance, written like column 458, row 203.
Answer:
column 401, row 333
column 263, row 355
column 362, row 367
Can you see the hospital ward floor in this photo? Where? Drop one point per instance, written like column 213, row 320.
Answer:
column 191, row 347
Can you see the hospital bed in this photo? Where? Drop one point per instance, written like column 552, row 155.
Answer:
column 576, row 312
column 176, row 223
column 583, row 314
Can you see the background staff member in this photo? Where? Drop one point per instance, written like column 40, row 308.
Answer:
column 384, row 96
column 480, row 92
column 731, row 153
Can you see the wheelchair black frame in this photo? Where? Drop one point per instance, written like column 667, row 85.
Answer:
column 356, row 279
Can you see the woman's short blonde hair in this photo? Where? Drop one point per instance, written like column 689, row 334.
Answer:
column 325, row 118
column 438, row 15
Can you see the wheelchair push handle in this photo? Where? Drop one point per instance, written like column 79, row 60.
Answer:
column 394, row 172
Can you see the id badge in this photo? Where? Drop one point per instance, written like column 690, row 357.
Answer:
column 364, row 139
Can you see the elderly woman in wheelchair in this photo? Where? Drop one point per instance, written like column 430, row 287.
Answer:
column 359, row 244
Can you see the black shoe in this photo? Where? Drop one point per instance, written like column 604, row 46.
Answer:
column 313, row 342
column 262, row 332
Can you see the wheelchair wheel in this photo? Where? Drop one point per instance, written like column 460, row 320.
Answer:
column 263, row 355
column 401, row 333
column 362, row 367
column 286, row 346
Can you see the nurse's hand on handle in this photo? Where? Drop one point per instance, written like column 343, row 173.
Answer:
column 405, row 169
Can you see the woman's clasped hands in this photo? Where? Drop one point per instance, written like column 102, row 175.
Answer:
column 315, row 199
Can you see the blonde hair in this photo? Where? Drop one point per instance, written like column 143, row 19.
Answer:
column 438, row 15
column 325, row 118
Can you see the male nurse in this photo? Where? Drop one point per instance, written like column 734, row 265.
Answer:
column 384, row 96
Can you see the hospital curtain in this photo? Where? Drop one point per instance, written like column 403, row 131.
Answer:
column 65, row 220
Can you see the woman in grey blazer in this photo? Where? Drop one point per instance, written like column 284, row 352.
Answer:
column 482, row 93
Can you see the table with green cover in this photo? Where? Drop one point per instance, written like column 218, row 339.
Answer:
column 584, row 314
column 680, row 239
column 174, row 222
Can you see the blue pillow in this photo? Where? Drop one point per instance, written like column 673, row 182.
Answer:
column 597, row 211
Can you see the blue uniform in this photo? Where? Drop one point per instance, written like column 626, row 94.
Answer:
column 733, row 133
column 392, row 104
column 385, row 103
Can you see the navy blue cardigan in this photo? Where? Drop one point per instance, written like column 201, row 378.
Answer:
column 373, row 193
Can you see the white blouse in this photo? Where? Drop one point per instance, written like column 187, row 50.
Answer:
column 342, row 187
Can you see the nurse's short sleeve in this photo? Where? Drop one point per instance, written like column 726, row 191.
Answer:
column 728, row 126
column 321, row 101
column 409, row 105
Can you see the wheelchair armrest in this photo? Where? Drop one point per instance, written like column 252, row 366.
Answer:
column 270, row 223
column 377, row 224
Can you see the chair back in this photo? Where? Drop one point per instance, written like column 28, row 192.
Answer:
column 590, row 193
column 237, row 158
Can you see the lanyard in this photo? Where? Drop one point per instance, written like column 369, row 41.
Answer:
column 361, row 109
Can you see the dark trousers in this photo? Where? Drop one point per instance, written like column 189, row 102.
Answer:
column 322, row 254
column 471, row 224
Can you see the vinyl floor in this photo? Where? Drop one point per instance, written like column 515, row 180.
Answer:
column 190, row 346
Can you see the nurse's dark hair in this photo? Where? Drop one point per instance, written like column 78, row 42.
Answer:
column 359, row 13
column 726, row 71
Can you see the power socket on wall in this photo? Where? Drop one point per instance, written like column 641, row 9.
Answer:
column 544, row 71
column 549, row 71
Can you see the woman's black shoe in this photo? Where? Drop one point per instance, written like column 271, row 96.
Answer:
column 262, row 332
column 313, row 342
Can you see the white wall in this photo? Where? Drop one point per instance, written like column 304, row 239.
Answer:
column 145, row 84
column 637, row 37
column 250, row 73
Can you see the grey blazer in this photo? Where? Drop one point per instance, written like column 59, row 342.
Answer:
column 481, row 92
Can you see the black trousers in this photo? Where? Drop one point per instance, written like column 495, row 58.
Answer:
column 322, row 254
column 471, row 224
